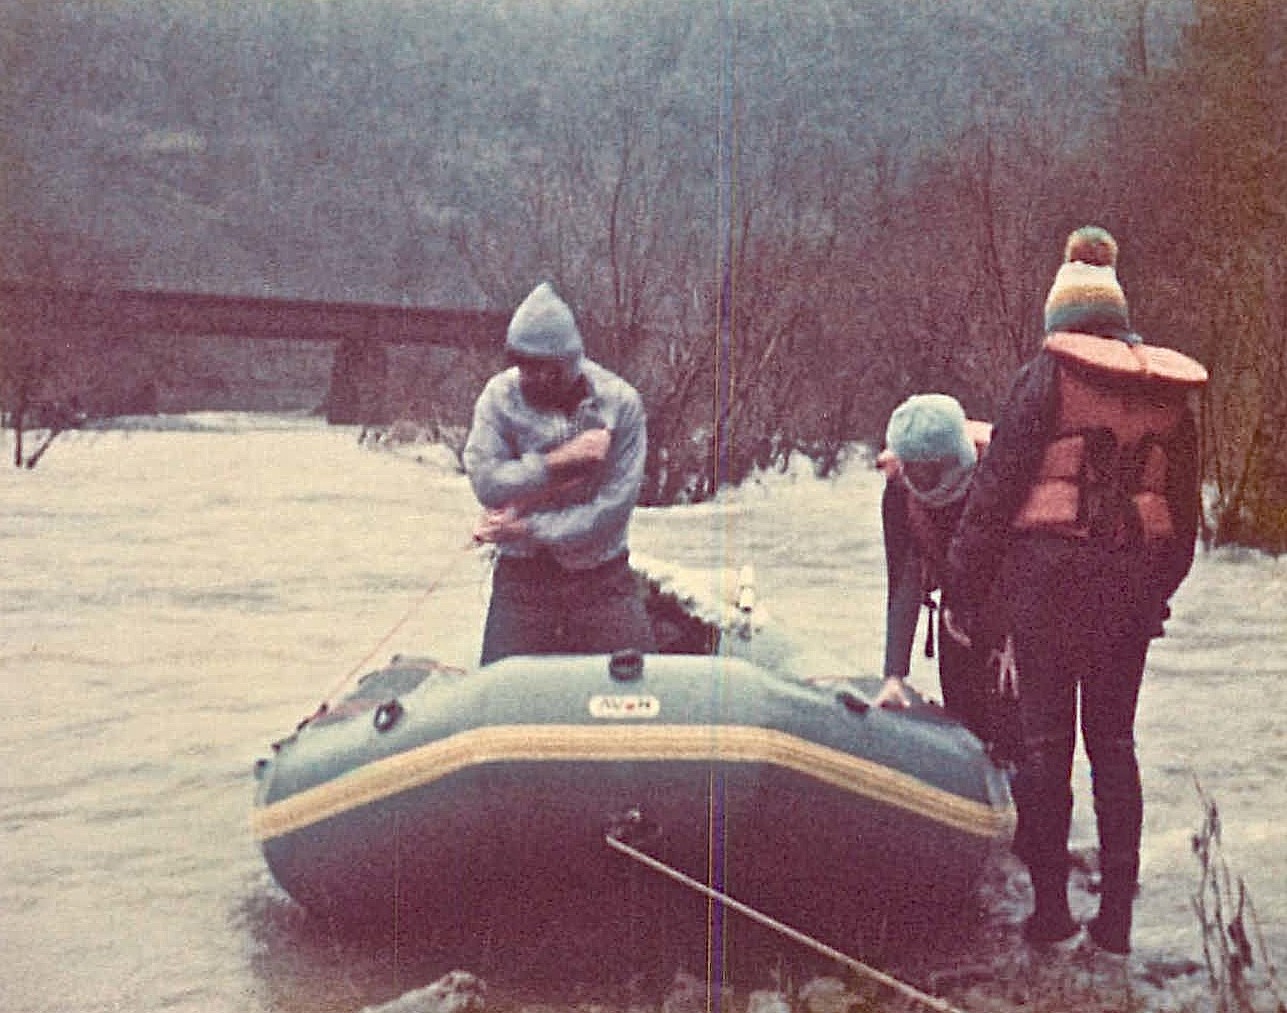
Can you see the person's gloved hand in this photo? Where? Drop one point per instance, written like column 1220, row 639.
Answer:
column 1007, row 668
column 893, row 694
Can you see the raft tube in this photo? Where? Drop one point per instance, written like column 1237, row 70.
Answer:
column 433, row 794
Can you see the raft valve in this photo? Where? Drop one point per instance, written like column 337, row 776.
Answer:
column 386, row 715
column 626, row 665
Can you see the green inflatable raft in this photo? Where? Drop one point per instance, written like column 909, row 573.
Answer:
column 450, row 799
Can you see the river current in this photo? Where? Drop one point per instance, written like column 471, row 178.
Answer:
column 177, row 597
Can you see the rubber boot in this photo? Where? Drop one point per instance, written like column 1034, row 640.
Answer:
column 1110, row 929
column 1051, row 920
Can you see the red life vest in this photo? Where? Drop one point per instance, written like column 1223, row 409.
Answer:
column 1105, row 471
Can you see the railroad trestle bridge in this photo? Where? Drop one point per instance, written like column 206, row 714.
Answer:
column 149, row 350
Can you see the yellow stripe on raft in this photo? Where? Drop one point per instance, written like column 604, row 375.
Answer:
column 425, row 764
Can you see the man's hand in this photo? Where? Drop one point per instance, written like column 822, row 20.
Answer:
column 582, row 451
column 893, row 694
column 503, row 525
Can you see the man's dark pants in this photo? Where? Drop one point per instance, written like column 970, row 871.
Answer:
column 538, row 607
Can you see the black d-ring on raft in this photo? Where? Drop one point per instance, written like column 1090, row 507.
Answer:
column 386, row 715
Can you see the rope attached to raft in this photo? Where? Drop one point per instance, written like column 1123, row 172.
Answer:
column 613, row 840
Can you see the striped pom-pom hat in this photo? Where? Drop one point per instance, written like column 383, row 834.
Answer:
column 1086, row 297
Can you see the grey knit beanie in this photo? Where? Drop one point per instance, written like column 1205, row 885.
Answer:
column 543, row 327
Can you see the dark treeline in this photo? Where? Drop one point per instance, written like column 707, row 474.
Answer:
column 904, row 175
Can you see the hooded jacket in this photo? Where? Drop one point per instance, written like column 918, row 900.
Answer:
column 582, row 525
column 543, row 327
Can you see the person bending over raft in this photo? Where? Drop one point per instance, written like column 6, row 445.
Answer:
column 930, row 454
column 1084, row 515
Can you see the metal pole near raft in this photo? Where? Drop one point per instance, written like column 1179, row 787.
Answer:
column 723, row 412
column 724, row 200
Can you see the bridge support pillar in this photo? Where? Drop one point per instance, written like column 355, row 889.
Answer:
column 359, row 377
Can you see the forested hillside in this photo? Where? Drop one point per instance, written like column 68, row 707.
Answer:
column 898, row 177
column 326, row 149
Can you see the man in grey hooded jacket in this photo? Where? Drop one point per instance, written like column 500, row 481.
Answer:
column 555, row 456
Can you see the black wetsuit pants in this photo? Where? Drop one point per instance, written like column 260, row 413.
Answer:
column 1081, row 630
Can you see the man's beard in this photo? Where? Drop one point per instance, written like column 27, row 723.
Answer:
column 563, row 396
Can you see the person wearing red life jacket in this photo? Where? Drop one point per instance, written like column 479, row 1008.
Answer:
column 1083, row 519
column 930, row 454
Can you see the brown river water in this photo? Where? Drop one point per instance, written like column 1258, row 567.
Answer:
column 175, row 599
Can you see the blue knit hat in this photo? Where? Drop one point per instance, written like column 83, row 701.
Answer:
column 930, row 427
column 543, row 327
